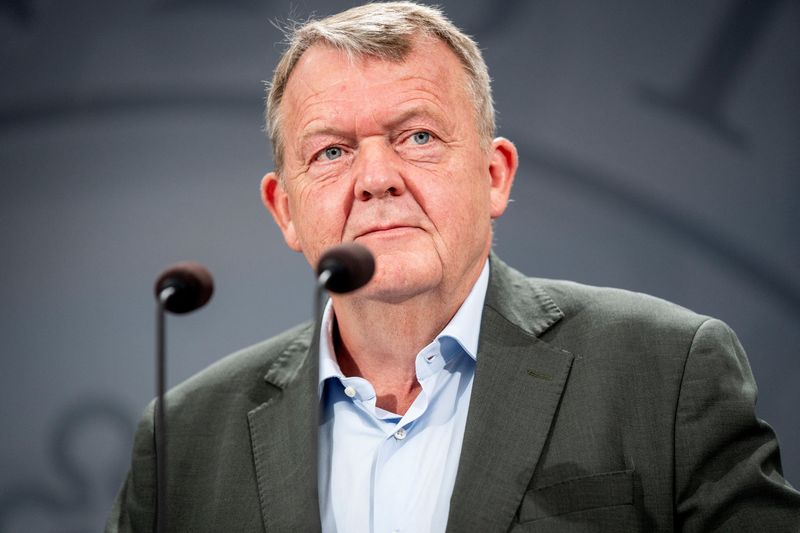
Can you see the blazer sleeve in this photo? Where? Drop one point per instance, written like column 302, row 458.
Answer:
column 728, row 474
column 134, row 507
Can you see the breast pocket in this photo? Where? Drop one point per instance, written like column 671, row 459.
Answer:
column 597, row 491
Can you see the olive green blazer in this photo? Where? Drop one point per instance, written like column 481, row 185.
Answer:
column 592, row 409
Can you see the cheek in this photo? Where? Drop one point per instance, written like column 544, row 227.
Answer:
column 465, row 195
column 320, row 214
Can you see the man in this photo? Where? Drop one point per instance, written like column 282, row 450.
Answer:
column 455, row 394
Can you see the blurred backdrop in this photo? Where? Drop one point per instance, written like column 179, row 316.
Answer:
column 659, row 153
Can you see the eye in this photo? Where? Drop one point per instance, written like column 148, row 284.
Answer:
column 421, row 137
column 330, row 153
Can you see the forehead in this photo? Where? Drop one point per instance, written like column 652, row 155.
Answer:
column 325, row 75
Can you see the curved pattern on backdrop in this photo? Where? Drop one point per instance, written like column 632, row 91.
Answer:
column 603, row 187
column 70, row 502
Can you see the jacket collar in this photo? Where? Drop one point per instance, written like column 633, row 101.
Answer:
column 283, row 433
column 519, row 381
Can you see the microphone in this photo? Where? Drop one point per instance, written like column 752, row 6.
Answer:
column 181, row 288
column 184, row 287
column 345, row 268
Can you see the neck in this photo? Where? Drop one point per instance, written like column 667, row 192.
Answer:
column 379, row 340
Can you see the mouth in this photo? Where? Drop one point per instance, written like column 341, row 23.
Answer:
column 391, row 230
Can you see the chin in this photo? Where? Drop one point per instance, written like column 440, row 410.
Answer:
column 397, row 280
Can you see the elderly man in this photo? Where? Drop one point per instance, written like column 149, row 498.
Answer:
column 454, row 393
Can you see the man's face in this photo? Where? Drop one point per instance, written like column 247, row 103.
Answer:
column 388, row 155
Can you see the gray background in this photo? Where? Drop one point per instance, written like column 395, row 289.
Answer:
column 659, row 152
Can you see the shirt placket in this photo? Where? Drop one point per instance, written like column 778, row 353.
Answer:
column 394, row 519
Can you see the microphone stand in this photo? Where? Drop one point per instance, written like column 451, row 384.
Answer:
column 160, row 411
column 319, row 300
column 180, row 289
column 323, row 278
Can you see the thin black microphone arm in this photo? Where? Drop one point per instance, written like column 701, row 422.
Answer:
column 180, row 289
column 341, row 269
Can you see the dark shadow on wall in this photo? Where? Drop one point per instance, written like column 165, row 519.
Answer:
column 706, row 90
column 68, row 107
column 21, row 11
column 495, row 17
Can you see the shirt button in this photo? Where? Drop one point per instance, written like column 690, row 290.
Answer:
column 350, row 391
column 400, row 434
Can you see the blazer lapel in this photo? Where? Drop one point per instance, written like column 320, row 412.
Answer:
column 519, row 380
column 283, row 436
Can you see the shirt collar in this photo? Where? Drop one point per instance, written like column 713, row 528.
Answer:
column 465, row 325
column 463, row 328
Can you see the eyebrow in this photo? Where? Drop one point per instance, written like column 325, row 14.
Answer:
column 414, row 112
column 419, row 110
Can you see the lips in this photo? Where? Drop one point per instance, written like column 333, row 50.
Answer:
column 385, row 229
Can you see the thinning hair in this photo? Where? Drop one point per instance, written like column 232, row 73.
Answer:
column 388, row 31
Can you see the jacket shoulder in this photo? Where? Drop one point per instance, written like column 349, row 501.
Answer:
column 608, row 306
column 238, row 371
column 542, row 305
column 616, row 326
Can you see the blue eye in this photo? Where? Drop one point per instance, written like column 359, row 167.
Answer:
column 421, row 137
column 332, row 152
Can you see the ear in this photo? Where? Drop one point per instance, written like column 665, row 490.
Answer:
column 277, row 202
column 502, row 168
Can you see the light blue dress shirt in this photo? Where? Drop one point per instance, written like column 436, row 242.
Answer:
column 380, row 472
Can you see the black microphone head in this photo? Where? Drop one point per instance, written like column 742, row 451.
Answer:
column 350, row 265
column 191, row 284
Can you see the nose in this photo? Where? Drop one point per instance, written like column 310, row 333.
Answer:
column 377, row 172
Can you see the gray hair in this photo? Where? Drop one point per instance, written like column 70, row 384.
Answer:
column 386, row 31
